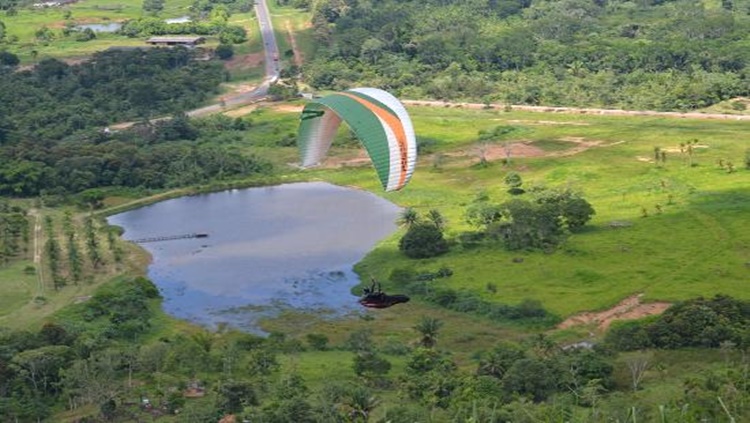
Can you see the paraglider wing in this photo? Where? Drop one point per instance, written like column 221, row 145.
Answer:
column 378, row 120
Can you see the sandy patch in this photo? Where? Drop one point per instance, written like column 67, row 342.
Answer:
column 684, row 149
column 359, row 158
column 544, row 122
column 241, row 111
column 287, row 108
column 628, row 309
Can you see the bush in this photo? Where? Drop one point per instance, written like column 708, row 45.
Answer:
column 402, row 276
column 224, row 51
column 694, row 323
column 423, row 240
column 317, row 341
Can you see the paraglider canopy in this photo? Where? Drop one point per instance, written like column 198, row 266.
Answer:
column 379, row 121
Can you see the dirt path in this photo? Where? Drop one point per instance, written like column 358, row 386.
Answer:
column 38, row 250
column 577, row 110
column 627, row 309
column 293, row 43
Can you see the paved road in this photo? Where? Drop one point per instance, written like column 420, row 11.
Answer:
column 271, row 52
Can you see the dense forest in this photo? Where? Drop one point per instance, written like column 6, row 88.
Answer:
column 54, row 99
column 663, row 55
column 97, row 355
column 53, row 125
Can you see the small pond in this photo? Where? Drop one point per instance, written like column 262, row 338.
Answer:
column 268, row 249
column 101, row 27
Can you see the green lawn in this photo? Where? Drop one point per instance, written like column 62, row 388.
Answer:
column 18, row 288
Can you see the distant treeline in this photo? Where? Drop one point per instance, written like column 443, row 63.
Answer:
column 644, row 55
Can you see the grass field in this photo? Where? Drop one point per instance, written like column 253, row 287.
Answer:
column 697, row 245
column 27, row 22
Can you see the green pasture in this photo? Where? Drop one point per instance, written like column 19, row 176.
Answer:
column 696, row 245
column 18, row 288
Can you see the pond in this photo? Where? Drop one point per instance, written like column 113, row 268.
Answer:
column 101, row 27
column 268, row 249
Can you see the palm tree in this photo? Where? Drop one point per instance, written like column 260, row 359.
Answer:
column 361, row 402
column 428, row 328
column 408, row 217
column 436, row 218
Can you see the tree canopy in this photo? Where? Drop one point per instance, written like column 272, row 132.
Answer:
column 662, row 55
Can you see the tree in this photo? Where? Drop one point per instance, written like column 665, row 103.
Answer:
column 637, row 366
column 8, row 59
column 408, row 217
column 423, row 240
column 360, row 401
column 532, row 377
column 289, row 404
column 483, row 213
column 233, row 34
column 436, row 218
column 370, row 365
column 233, row 396
column 513, row 181
column 497, row 362
column 87, row 34
column 428, row 328
column 576, row 212
column 317, row 341
column 224, row 51
column 153, row 6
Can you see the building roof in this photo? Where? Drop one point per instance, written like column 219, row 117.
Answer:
column 176, row 40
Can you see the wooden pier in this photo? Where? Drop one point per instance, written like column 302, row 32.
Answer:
column 168, row 238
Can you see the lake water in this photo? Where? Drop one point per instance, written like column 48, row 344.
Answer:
column 269, row 249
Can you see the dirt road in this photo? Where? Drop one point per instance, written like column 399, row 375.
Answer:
column 576, row 110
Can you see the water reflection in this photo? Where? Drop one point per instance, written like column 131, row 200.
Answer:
column 291, row 245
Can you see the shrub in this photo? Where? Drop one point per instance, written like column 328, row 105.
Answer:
column 423, row 240
column 224, row 51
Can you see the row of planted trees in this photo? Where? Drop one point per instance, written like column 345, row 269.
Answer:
column 14, row 232
column 75, row 252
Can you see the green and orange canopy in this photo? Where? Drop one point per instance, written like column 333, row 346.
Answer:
column 378, row 120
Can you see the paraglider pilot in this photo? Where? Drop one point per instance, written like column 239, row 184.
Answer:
column 374, row 297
